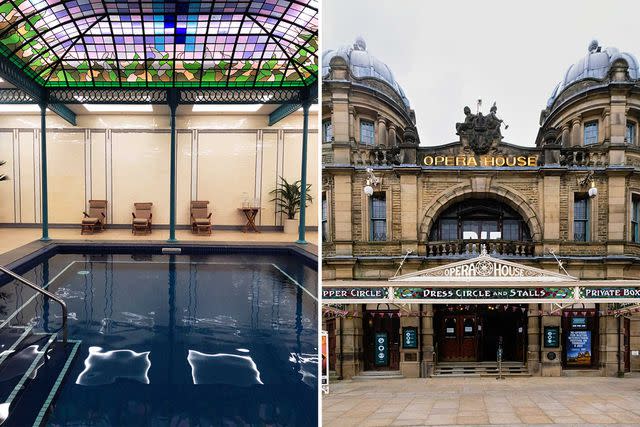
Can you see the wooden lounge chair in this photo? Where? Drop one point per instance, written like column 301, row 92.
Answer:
column 96, row 219
column 200, row 217
column 141, row 221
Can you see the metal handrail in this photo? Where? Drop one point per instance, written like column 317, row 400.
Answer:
column 45, row 293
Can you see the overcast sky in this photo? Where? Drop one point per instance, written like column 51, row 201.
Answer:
column 447, row 54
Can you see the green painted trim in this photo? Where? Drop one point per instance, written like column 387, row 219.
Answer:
column 303, row 184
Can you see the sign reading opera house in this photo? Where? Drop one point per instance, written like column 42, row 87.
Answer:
column 404, row 224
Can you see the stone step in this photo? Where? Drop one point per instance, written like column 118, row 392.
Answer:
column 375, row 375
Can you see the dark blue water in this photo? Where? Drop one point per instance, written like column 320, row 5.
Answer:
column 181, row 340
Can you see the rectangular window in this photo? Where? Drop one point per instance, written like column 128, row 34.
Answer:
column 635, row 218
column 378, row 213
column 325, row 224
column 327, row 131
column 591, row 133
column 367, row 132
column 631, row 133
column 511, row 230
column 581, row 218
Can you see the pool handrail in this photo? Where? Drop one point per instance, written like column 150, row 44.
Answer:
column 46, row 294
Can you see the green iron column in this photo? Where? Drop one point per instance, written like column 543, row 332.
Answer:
column 44, row 197
column 173, row 105
column 303, row 188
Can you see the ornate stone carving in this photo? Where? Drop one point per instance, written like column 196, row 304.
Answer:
column 480, row 133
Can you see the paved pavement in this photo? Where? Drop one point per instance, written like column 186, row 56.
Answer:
column 483, row 401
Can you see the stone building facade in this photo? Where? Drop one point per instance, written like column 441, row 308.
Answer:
column 393, row 207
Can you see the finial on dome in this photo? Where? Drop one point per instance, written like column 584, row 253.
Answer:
column 360, row 44
column 594, row 46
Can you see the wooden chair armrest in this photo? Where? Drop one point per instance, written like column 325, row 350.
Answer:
column 103, row 215
column 209, row 216
column 133, row 215
column 86, row 215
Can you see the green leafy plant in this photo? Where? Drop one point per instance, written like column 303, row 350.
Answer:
column 287, row 197
column 3, row 177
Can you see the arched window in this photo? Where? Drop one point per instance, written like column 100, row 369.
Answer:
column 480, row 219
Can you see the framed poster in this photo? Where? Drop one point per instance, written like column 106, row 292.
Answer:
column 551, row 336
column 381, row 349
column 409, row 337
column 579, row 348
column 325, row 360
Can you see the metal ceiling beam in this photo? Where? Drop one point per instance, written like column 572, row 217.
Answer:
column 308, row 95
column 12, row 74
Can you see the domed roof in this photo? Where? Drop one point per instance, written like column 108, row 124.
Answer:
column 363, row 64
column 595, row 65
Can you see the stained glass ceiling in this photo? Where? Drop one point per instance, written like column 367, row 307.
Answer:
column 152, row 43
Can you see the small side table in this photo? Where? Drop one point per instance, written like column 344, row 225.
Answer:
column 250, row 213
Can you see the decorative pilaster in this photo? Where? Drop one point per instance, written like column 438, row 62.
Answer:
column 576, row 132
column 382, row 131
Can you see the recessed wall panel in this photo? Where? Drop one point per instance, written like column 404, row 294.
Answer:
column 292, row 168
column 7, row 206
column 140, row 173
column 269, row 177
column 27, row 177
column 65, row 176
column 226, row 174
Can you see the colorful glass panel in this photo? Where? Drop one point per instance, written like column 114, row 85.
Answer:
column 153, row 43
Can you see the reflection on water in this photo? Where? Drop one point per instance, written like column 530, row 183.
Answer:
column 105, row 367
column 223, row 368
column 179, row 343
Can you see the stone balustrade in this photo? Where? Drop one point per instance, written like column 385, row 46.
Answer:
column 473, row 247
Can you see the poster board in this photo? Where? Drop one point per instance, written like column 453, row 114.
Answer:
column 324, row 350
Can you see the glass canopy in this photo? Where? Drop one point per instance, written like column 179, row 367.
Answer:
column 153, row 43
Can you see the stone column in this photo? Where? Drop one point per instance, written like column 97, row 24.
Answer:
column 576, row 132
column 551, row 207
column 352, row 124
column 382, row 131
column 551, row 368
column 392, row 135
column 427, row 340
column 409, row 211
column 618, row 118
column 409, row 364
column 609, row 344
column 534, row 342
column 606, row 124
column 351, row 333
column 340, row 122
column 342, row 220
column 617, row 214
column 566, row 135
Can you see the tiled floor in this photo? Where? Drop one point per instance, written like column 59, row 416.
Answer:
column 483, row 401
column 11, row 238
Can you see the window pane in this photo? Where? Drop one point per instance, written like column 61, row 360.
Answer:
column 378, row 230
column 510, row 230
column 327, row 131
column 591, row 133
column 449, row 229
column 325, row 224
column 367, row 132
column 580, row 231
column 631, row 133
column 580, row 209
column 378, row 217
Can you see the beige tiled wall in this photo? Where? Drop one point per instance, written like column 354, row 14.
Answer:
column 124, row 159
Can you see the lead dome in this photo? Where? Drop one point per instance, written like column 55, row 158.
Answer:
column 362, row 64
column 594, row 65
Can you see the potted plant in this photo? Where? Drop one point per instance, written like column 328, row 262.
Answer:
column 287, row 198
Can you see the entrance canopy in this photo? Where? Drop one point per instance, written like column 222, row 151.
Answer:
column 482, row 280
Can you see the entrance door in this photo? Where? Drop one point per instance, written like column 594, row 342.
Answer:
column 381, row 341
column 331, row 331
column 458, row 338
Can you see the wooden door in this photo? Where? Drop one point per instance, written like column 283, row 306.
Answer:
column 385, row 326
column 458, row 338
column 627, row 345
column 331, row 331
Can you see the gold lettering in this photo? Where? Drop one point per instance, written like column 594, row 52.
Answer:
column 448, row 161
column 499, row 161
column 511, row 161
column 471, row 161
column 533, row 161
column 461, row 161
column 522, row 161
column 428, row 160
column 487, row 161
column 439, row 160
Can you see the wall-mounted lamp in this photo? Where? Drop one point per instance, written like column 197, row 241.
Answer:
column 593, row 191
column 372, row 181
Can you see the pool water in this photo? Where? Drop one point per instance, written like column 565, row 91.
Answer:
column 182, row 340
